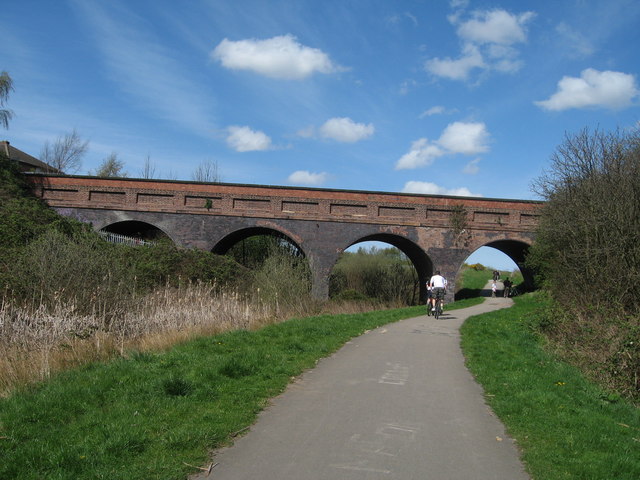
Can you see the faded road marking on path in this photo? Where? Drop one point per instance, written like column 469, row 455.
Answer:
column 396, row 375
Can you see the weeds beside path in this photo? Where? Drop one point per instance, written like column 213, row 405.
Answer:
column 566, row 427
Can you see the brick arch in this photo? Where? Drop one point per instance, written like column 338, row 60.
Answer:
column 135, row 228
column 516, row 249
column 223, row 246
column 102, row 220
column 416, row 254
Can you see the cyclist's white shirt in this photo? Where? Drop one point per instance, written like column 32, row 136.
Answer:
column 438, row 281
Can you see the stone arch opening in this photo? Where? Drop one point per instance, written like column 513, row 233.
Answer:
column 517, row 251
column 512, row 256
column 134, row 232
column 419, row 262
column 280, row 265
column 227, row 243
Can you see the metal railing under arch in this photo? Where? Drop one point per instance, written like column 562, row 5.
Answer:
column 123, row 239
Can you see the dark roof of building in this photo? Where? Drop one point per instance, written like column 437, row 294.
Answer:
column 26, row 161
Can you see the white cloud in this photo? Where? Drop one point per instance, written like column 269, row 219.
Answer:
column 244, row 139
column 487, row 44
column 472, row 167
column 459, row 3
column 456, row 69
column 277, row 57
column 579, row 45
column 465, row 138
column 346, row 130
column 435, row 110
column 495, row 27
column 428, row 188
column 397, row 18
column 411, row 17
column 457, row 137
column 421, row 154
column 406, row 86
column 308, row 132
column 614, row 90
column 304, row 177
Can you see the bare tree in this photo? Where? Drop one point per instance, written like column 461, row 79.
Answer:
column 149, row 169
column 66, row 153
column 207, row 171
column 111, row 167
column 6, row 86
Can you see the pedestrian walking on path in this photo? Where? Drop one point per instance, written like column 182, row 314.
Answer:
column 394, row 403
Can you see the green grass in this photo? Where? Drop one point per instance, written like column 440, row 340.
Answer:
column 476, row 279
column 147, row 416
column 472, row 282
column 566, row 427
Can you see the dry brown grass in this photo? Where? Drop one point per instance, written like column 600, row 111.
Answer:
column 36, row 342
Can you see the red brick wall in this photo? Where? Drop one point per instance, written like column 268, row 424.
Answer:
column 283, row 202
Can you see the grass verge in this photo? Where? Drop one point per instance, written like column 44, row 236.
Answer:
column 566, row 427
column 156, row 415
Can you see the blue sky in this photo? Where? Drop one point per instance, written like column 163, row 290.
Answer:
column 445, row 97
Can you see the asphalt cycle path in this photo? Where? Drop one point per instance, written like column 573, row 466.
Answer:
column 394, row 403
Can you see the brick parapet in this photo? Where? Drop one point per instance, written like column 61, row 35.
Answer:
column 283, row 202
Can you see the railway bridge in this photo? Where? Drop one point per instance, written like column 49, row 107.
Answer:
column 434, row 232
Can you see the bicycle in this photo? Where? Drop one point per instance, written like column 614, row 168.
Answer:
column 439, row 305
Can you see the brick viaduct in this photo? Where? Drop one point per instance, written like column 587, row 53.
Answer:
column 322, row 223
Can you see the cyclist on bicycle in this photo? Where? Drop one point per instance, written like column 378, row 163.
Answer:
column 438, row 286
column 507, row 287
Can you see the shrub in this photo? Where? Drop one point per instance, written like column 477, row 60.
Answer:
column 588, row 256
column 350, row 295
column 587, row 236
column 284, row 281
column 384, row 274
column 49, row 259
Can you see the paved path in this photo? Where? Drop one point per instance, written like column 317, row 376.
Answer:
column 395, row 403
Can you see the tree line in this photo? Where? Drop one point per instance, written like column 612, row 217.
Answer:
column 67, row 152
